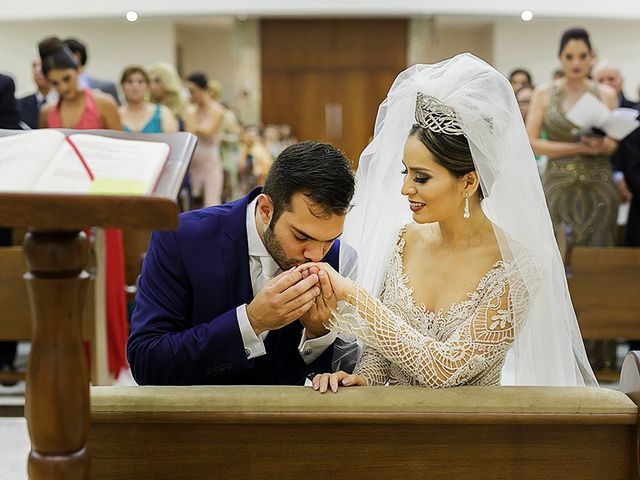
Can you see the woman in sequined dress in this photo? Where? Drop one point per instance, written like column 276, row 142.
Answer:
column 577, row 181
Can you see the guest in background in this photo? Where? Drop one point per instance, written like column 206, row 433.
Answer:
column 286, row 135
column 578, row 179
column 273, row 140
column 165, row 87
column 84, row 109
column 77, row 107
column 10, row 120
column 254, row 158
column 230, row 131
column 79, row 50
column 524, row 99
column 203, row 118
column 520, row 78
column 29, row 106
column 215, row 90
column 607, row 74
column 628, row 161
column 137, row 114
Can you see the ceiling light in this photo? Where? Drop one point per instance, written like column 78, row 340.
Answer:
column 526, row 16
column 131, row 16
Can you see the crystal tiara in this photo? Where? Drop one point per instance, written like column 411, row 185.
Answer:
column 434, row 115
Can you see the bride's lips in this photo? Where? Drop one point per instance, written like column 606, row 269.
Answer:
column 416, row 206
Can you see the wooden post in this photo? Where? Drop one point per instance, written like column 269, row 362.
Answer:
column 57, row 369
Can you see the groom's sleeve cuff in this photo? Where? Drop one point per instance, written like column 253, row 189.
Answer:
column 253, row 344
column 313, row 348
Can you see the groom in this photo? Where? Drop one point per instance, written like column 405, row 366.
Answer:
column 218, row 301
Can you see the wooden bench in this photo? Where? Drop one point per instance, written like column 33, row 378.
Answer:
column 15, row 311
column 605, row 290
column 378, row 432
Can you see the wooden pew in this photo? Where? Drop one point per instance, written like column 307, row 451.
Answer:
column 605, row 290
column 373, row 433
column 15, row 312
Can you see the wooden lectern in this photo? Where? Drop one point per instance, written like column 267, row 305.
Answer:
column 56, row 253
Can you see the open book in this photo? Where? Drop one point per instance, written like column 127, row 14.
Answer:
column 589, row 112
column 47, row 161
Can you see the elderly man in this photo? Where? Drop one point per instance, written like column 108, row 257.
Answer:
column 609, row 74
column 627, row 159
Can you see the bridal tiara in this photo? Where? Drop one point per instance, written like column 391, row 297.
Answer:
column 434, row 115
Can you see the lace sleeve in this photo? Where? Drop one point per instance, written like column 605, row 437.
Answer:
column 373, row 367
column 477, row 343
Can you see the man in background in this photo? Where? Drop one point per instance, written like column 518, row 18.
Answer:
column 29, row 106
column 609, row 74
column 626, row 160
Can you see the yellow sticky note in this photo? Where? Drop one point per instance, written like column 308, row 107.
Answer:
column 107, row 186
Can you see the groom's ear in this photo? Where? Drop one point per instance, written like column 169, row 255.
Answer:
column 265, row 208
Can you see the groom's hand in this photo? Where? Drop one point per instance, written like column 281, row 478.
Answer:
column 319, row 315
column 283, row 299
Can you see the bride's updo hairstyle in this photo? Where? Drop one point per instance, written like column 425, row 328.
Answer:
column 450, row 151
column 55, row 55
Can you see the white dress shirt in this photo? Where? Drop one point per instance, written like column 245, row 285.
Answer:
column 262, row 268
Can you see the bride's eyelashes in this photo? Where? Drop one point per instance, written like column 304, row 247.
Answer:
column 416, row 179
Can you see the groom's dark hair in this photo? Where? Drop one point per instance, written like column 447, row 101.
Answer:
column 318, row 170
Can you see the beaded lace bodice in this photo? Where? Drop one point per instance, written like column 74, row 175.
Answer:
column 406, row 344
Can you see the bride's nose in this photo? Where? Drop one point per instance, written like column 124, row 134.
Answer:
column 407, row 187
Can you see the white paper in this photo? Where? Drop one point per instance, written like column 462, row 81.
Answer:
column 589, row 112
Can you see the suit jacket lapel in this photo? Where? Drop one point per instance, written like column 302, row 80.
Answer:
column 235, row 250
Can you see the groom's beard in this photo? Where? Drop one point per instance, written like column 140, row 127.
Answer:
column 274, row 247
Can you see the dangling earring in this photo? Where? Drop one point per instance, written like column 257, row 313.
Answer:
column 466, row 213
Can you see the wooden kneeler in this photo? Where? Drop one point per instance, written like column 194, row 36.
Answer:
column 15, row 313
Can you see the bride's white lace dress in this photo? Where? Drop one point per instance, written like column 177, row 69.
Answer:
column 406, row 344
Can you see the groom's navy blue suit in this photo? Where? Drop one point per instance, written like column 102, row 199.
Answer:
column 184, row 330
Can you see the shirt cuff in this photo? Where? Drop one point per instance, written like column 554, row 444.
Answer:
column 253, row 344
column 313, row 348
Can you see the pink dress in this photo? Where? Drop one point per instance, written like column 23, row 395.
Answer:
column 206, row 172
column 116, row 302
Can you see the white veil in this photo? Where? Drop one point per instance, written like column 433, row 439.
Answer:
column 548, row 349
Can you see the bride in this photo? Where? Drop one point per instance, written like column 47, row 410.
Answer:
column 476, row 280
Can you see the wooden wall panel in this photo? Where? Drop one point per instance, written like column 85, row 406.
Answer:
column 309, row 65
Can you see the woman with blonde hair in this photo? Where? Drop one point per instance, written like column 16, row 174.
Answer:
column 166, row 87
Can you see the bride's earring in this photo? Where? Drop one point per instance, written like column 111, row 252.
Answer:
column 466, row 213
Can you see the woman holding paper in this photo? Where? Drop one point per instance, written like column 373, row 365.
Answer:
column 578, row 181
column 86, row 109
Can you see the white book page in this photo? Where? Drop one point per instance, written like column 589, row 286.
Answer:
column 109, row 159
column 23, row 158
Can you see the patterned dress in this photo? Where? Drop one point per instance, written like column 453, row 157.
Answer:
column 579, row 189
column 406, row 344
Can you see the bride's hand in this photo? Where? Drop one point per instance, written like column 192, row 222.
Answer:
column 341, row 286
column 322, row 382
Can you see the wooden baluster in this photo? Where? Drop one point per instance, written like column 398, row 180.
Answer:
column 57, row 390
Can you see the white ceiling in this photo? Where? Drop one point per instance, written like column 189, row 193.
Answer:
column 12, row 10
